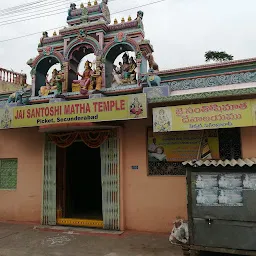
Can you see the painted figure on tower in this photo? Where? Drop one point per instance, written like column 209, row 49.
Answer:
column 126, row 72
column 85, row 81
column 54, row 85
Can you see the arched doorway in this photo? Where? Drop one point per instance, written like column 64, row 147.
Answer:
column 44, row 70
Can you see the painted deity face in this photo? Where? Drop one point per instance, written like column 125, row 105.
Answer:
column 87, row 65
column 54, row 73
column 125, row 59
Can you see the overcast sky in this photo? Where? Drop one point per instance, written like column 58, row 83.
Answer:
column 180, row 30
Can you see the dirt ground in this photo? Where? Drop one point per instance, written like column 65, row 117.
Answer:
column 21, row 240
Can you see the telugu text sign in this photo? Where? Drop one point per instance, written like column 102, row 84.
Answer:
column 80, row 111
column 203, row 116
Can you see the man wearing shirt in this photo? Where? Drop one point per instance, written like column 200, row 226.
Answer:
column 152, row 147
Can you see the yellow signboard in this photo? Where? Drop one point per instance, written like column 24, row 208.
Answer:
column 240, row 113
column 182, row 145
column 79, row 111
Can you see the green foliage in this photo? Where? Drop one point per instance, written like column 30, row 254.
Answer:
column 217, row 56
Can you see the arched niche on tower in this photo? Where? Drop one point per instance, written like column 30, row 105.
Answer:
column 113, row 51
column 41, row 69
column 76, row 51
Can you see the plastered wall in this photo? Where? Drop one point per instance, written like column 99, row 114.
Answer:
column 24, row 203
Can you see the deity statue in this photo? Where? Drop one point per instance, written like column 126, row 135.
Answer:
column 125, row 67
column 16, row 97
column 105, row 10
column 44, row 35
column 126, row 72
column 72, row 8
column 55, row 83
column 97, row 75
column 151, row 61
column 85, row 82
column 139, row 18
column 132, row 70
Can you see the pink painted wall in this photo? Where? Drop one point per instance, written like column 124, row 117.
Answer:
column 248, row 140
column 24, row 203
column 151, row 203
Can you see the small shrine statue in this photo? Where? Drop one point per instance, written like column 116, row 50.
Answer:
column 105, row 10
column 151, row 61
column 16, row 97
column 126, row 67
column 98, row 78
column 139, row 18
column 85, row 82
column 55, row 84
column 70, row 10
column 151, row 78
column 44, row 35
column 132, row 70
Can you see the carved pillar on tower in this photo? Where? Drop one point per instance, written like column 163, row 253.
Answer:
column 34, row 85
column 65, row 72
column 33, row 77
column 103, row 76
column 138, row 62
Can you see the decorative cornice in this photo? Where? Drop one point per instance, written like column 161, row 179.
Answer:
column 78, row 41
column 211, row 81
column 127, row 40
column 41, row 56
column 91, row 9
column 89, row 27
column 209, row 66
column 125, row 25
column 204, row 95
column 53, row 39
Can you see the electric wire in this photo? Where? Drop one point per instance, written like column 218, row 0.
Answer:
column 37, row 15
column 33, row 9
column 21, row 6
column 35, row 33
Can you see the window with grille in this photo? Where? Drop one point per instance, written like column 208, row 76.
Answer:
column 167, row 151
column 8, row 173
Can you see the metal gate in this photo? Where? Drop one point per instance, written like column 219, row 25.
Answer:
column 49, row 184
column 110, row 178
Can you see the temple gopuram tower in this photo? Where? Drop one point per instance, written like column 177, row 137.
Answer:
column 89, row 31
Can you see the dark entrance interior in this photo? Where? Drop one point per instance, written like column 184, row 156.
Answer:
column 83, row 182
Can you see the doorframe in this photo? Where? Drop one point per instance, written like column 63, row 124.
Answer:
column 92, row 223
column 61, row 220
column 121, row 139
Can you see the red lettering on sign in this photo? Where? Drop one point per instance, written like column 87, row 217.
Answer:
column 80, row 108
column 43, row 112
column 110, row 105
